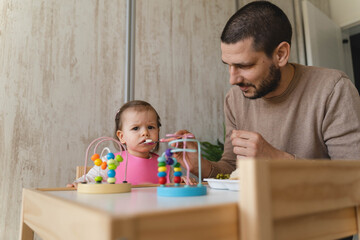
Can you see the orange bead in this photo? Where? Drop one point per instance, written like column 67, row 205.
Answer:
column 95, row 156
column 103, row 165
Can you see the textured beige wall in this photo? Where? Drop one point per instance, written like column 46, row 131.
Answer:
column 178, row 63
column 61, row 82
column 61, row 79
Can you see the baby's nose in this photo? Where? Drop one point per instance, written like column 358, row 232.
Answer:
column 145, row 132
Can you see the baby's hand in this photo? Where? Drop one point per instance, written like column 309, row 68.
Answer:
column 72, row 185
column 192, row 181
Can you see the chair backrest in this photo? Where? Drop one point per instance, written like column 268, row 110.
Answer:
column 80, row 171
column 299, row 199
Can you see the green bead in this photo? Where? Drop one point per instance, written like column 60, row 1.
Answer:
column 112, row 166
column 119, row 158
column 161, row 164
column 98, row 179
column 111, row 161
column 177, row 165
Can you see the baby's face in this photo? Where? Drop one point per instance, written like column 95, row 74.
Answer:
column 136, row 128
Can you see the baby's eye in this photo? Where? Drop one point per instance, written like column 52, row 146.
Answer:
column 135, row 128
column 151, row 127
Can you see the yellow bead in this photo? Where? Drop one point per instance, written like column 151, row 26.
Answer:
column 162, row 169
column 177, row 169
column 98, row 162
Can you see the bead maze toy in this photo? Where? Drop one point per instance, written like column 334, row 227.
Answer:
column 111, row 162
column 166, row 158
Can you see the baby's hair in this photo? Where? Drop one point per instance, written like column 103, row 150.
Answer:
column 137, row 105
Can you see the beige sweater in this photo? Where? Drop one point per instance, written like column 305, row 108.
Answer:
column 318, row 116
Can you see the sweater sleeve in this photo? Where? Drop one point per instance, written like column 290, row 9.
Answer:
column 227, row 163
column 341, row 125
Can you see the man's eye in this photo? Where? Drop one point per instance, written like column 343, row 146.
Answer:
column 135, row 128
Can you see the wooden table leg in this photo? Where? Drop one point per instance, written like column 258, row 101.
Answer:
column 26, row 233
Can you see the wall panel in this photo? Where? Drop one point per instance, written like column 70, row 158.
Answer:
column 178, row 63
column 61, row 83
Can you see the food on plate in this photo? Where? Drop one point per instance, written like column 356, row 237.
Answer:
column 222, row 176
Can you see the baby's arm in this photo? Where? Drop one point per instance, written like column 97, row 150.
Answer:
column 90, row 176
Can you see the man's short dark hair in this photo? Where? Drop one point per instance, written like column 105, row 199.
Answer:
column 263, row 21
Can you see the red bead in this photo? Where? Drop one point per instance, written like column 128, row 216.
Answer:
column 162, row 180
column 177, row 179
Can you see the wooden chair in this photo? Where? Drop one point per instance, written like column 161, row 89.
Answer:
column 299, row 199
column 80, row 170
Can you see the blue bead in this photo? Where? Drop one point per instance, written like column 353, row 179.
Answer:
column 177, row 174
column 169, row 161
column 111, row 173
column 161, row 174
column 161, row 159
column 168, row 152
column 110, row 156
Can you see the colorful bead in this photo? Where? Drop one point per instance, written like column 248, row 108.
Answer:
column 98, row 162
column 161, row 174
column 177, row 174
column 161, row 164
column 98, row 179
column 119, row 158
column 169, row 161
column 177, row 179
column 161, row 159
column 111, row 180
column 168, row 152
column 95, row 156
column 162, row 180
column 111, row 173
column 103, row 165
column 111, row 166
column 110, row 156
column 177, row 165
column 111, row 161
column 177, row 169
column 162, row 169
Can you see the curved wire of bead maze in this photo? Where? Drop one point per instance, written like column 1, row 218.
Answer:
column 100, row 140
column 168, row 153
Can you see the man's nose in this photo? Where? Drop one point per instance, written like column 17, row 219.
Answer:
column 234, row 75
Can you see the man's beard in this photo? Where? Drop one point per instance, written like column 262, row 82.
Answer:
column 267, row 85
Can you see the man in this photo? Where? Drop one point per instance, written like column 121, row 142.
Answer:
column 276, row 109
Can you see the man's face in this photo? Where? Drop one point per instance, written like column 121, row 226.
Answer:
column 254, row 72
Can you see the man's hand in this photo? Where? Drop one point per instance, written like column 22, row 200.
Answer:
column 191, row 157
column 252, row 144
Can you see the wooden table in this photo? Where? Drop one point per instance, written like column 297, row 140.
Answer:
column 140, row 214
column 279, row 200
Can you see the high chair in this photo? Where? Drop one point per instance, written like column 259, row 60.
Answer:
column 80, row 170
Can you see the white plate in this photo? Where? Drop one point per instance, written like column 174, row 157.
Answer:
column 223, row 184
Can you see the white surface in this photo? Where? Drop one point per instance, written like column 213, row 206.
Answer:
column 345, row 13
column 322, row 39
column 224, row 184
column 145, row 200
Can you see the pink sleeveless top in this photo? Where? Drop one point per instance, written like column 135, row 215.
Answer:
column 139, row 170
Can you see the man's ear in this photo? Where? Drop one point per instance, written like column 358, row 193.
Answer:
column 120, row 136
column 282, row 54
